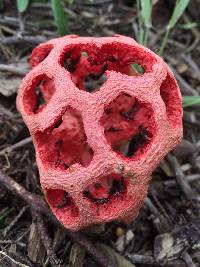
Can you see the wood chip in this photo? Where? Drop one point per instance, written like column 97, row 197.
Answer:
column 36, row 250
column 77, row 256
column 171, row 246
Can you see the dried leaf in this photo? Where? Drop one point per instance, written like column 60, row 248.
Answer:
column 9, row 84
column 77, row 256
column 36, row 250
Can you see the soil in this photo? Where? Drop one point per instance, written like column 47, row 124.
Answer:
column 28, row 238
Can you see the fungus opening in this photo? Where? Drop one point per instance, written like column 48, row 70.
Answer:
column 37, row 96
column 62, row 204
column 65, row 143
column 128, row 126
column 108, row 196
column 88, row 63
column 104, row 190
column 40, row 53
column 137, row 68
column 171, row 98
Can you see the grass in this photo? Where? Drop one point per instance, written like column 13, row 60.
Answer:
column 145, row 20
column 60, row 17
column 144, row 25
column 189, row 101
column 178, row 11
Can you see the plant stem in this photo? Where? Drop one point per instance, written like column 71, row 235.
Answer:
column 146, row 36
column 164, row 41
column 140, row 30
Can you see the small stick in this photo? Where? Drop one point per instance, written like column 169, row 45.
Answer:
column 149, row 260
column 161, row 223
column 39, row 205
column 91, row 249
column 190, row 178
column 182, row 181
column 10, row 242
column 12, row 69
column 188, row 260
column 12, row 224
column 33, row 200
column 6, row 112
column 16, row 146
column 21, row 39
column 142, row 259
column 47, row 242
column 12, row 260
column 186, row 88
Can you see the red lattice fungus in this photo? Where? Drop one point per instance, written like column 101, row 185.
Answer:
column 102, row 113
column 129, row 125
column 65, row 143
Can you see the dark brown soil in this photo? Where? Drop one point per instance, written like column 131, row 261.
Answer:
column 29, row 237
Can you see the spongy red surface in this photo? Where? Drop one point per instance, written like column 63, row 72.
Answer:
column 99, row 127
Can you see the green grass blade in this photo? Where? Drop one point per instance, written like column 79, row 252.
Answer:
column 22, row 5
column 188, row 26
column 178, row 11
column 1, row 4
column 146, row 9
column 180, row 7
column 137, row 68
column 60, row 17
column 70, row 2
column 189, row 101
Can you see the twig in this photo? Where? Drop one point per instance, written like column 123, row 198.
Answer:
column 188, row 59
column 149, row 260
column 142, row 259
column 90, row 248
column 48, row 244
column 188, row 260
column 16, row 146
column 4, row 111
column 21, row 39
column 11, row 259
column 12, row 224
column 33, row 200
column 185, row 87
column 10, row 242
column 12, row 69
column 39, row 205
column 161, row 223
column 195, row 32
column 190, row 178
column 185, row 186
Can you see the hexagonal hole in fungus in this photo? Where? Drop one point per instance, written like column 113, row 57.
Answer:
column 62, row 204
column 129, row 126
column 65, row 143
column 170, row 96
column 37, row 96
column 88, row 63
column 104, row 190
column 108, row 196
column 40, row 53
